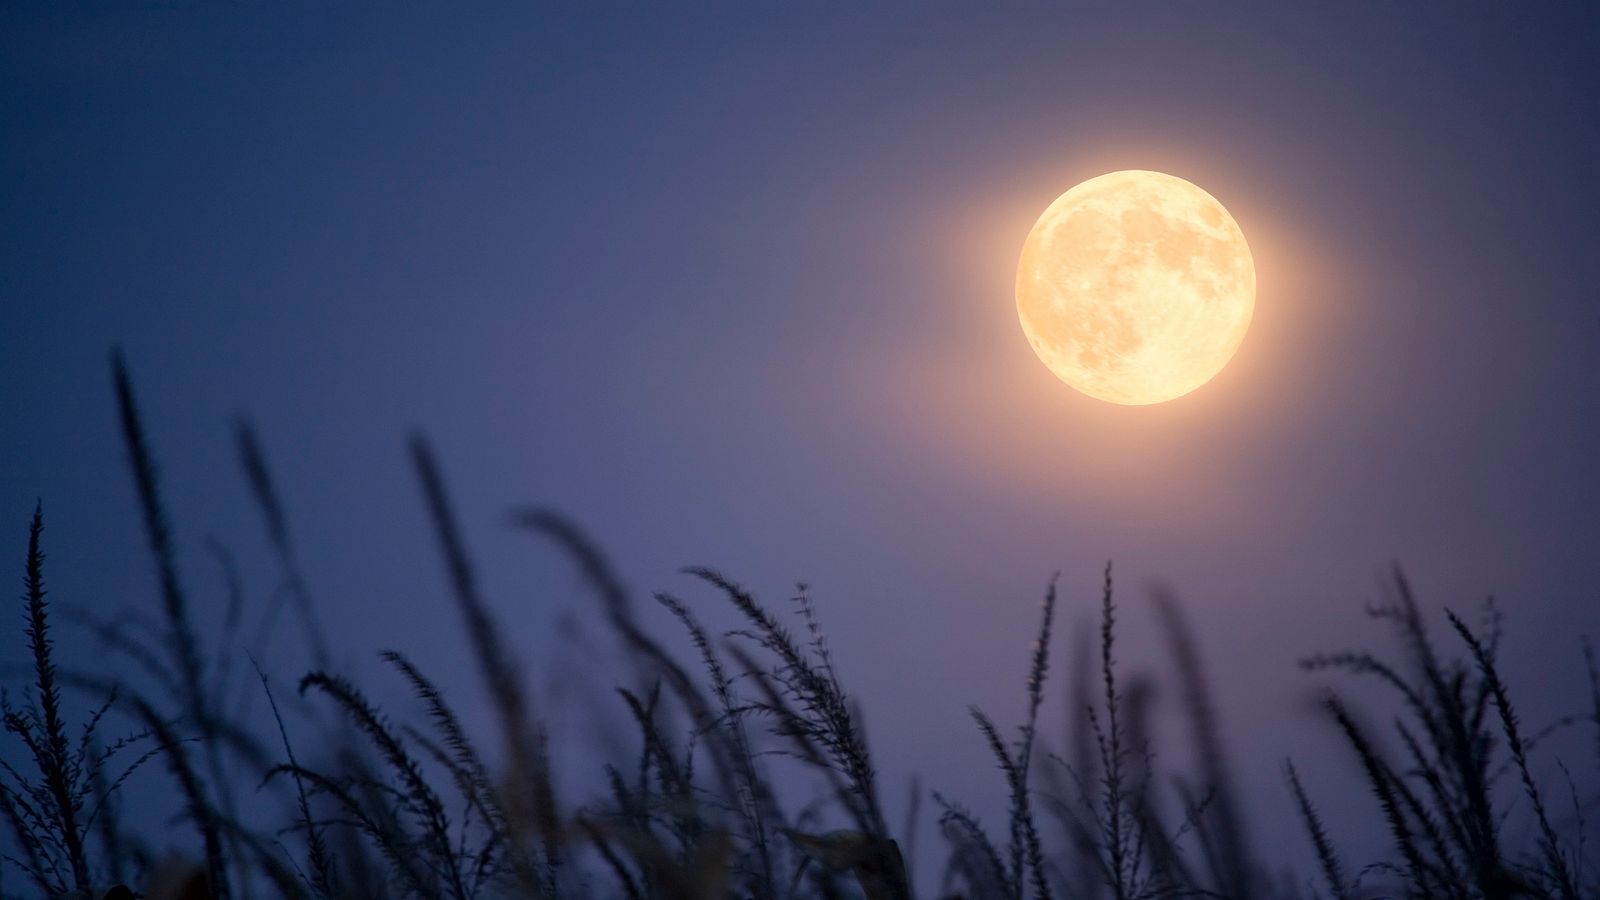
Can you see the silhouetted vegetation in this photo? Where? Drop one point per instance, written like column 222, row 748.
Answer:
column 369, row 806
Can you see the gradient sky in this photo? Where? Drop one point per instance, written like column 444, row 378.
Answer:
column 734, row 286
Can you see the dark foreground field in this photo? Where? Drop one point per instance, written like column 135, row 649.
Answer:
column 373, row 806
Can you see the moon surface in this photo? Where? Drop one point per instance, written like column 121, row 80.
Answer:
column 1135, row 287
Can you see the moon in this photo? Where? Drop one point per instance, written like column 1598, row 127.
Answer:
column 1135, row 287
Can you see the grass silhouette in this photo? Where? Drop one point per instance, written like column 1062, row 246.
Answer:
column 384, row 808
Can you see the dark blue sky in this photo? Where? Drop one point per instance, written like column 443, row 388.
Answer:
column 733, row 286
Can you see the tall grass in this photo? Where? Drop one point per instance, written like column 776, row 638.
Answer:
column 1440, row 802
column 52, row 812
column 351, row 800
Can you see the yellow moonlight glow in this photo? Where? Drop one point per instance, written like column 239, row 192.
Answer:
column 1135, row 287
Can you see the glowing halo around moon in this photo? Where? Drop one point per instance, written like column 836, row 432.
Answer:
column 1135, row 287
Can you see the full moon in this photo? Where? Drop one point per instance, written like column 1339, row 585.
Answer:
column 1135, row 287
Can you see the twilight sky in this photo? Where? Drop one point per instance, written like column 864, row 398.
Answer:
column 734, row 286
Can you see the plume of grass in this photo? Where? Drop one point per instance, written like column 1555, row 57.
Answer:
column 1420, row 876
column 718, row 719
column 1327, row 857
column 1108, row 741
column 800, row 692
column 532, row 799
column 655, row 662
column 1556, row 869
column 820, row 715
column 430, row 857
column 56, row 766
column 1025, row 854
column 363, row 805
column 322, row 879
column 462, row 757
column 733, row 766
column 1024, row 830
column 264, row 490
column 206, row 820
column 1119, row 829
column 417, row 796
column 913, row 821
column 676, row 779
column 1119, row 844
column 974, row 860
column 52, row 818
column 1080, row 765
column 190, row 680
column 175, row 603
column 747, row 786
column 1452, row 842
column 615, row 600
column 1221, row 829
